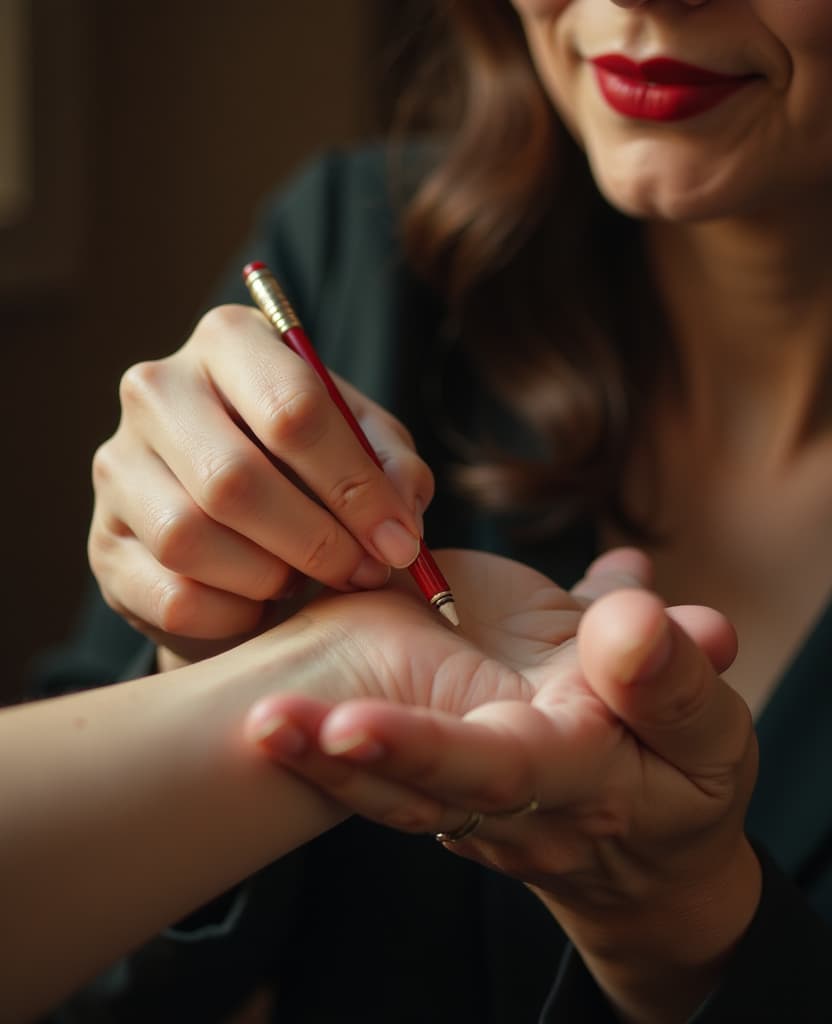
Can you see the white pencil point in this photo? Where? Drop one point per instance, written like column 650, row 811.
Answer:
column 448, row 609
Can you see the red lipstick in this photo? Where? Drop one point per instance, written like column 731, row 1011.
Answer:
column 662, row 89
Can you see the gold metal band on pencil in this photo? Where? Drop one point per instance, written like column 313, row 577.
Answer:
column 272, row 300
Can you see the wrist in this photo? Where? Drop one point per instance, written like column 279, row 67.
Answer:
column 292, row 657
column 658, row 962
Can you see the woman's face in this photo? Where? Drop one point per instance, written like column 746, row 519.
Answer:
column 692, row 109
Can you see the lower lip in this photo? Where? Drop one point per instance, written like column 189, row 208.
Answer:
column 659, row 101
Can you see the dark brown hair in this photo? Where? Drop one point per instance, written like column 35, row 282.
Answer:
column 543, row 279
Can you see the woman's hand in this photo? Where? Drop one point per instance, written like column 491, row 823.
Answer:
column 233, row 478
column 613, row 722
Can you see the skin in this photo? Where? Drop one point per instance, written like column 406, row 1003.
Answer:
column 763, row 147
column 641, row 758
column 173, row 758
column 231, row 524
column 737, row 218
column 736, row 211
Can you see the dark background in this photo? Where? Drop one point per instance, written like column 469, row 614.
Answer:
column 157, row 128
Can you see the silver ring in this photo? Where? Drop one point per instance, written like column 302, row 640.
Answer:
column 471, row 824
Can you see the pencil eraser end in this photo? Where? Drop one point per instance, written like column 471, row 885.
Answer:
column 252, row 268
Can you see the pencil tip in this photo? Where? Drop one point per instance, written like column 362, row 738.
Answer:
column 448, row 609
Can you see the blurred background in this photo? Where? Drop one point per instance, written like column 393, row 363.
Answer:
column 134, row 149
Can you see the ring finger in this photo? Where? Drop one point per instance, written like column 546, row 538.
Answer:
column 182, row 538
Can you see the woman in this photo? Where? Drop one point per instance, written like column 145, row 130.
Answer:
column 644, row 330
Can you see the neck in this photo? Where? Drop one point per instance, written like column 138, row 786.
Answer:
column 750, row 308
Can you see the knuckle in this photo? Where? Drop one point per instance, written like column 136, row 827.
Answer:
column 222, row 320
column 175, row 537
column 320, row 556
column 227, row 484
column 100, row 544
column 104, row 539
column 295, row 419
column 139, row 382
column 103, row 466
column 268, row 583
column 349, row 492
column 172, row 604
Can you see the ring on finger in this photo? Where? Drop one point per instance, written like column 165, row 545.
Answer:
column 470, row 825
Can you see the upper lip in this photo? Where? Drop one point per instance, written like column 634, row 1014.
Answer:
column 662, row 70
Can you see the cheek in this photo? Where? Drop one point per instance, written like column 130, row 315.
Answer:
column 556, row 67
column 799, row 24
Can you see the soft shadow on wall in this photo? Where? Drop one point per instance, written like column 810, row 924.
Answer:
column 153, row 131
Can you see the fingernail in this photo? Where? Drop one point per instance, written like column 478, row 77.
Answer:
column 370, row 574
column 647, row 663
column 396, row 544
column 280, row 736
column 358, row 745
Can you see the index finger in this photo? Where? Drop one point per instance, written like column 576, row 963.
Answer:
column 285, row 404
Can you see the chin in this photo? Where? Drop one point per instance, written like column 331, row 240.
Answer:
column 658, row 204
column 677, row 195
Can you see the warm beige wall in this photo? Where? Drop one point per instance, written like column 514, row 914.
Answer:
column 189, row 112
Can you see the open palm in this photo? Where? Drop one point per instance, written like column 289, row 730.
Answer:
column 613, row 721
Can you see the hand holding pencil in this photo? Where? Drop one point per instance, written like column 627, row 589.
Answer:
column 277, row 309
column 232, row 476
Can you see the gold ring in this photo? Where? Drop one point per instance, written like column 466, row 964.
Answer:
column 517, row 812
column 471, row 823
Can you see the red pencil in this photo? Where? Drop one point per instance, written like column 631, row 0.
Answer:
column 272, row 302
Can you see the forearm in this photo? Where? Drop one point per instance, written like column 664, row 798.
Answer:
column 122, row 809
column 657, row 966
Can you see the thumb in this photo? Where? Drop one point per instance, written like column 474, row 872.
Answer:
column 661, row 682
column 394, row 447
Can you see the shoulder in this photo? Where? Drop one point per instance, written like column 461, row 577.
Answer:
column 341, row 176
column 373, row 180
